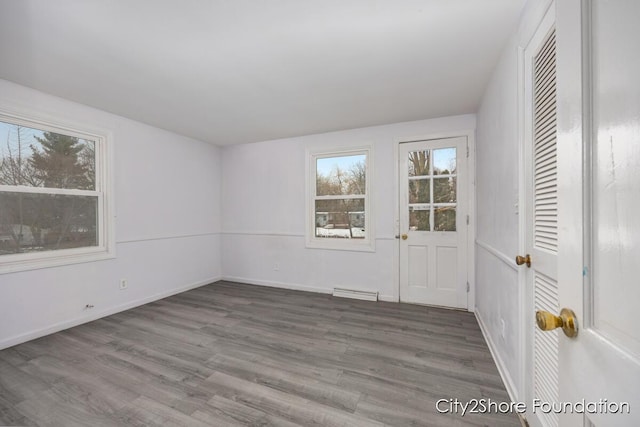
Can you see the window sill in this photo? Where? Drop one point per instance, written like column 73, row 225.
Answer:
column 341, row 245
column 20, row 262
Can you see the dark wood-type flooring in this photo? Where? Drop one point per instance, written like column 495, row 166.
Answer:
column 230, row 354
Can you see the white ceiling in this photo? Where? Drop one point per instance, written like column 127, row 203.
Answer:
column 235, row 71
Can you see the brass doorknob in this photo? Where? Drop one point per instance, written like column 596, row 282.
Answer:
column 524, row 260
column 567, row 321
column 405, row 237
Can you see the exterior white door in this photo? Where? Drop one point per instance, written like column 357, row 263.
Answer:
column 599, row 209
column 433, row 222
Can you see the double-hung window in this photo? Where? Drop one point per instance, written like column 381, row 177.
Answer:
column 53, row 195
column 338, row 189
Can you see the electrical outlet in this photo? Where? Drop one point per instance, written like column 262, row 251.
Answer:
column 276, row 267
column 123, row 284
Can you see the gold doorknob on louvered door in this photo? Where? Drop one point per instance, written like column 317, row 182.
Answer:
column 405, row 236
column 524, row 260
column 567, row 321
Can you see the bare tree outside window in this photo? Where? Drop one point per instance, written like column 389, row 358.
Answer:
column 47, row 186
column 340, row 197
column 432, row 190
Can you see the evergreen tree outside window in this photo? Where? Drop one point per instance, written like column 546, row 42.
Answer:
column 52, row 195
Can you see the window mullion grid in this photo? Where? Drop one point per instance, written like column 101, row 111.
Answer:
column 341, row 197
column 337, row 244
column 432, row 198
column 46, row 190
column 102, row 232
column 101, row 155
column 63, row 256
column 421, row 177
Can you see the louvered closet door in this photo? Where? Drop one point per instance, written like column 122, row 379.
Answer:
column 542, row 214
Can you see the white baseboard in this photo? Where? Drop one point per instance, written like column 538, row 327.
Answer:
column 295, row 287
column 66, row 324
column 502, row 369
column 282, row 285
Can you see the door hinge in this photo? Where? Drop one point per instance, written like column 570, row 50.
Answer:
column 468, row 286
column 467, row 151
column 467, row 219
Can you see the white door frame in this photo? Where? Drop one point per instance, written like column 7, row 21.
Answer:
column 470, row 134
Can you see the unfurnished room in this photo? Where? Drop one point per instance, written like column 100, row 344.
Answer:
column 319, row 213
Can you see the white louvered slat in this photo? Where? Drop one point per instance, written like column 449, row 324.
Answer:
column 548, row 197
column 543, row 52
column 545, row 75
column 546, row 140
column 545, row 86
column 547, row 97
column 545, row 89
column 546, row 347
column 545, row 192
column 545, row 223
column 546, row 158
column 546, row 150
column 544, row 146
column 546, row 120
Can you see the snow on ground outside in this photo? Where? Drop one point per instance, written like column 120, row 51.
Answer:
column 340, row 232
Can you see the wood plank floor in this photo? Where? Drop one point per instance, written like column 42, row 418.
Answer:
column 230, row 354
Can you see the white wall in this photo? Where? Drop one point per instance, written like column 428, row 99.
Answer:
column 263, row 195
column 498, row 292
column 167, row 228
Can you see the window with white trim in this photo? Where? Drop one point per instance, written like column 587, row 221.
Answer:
column 339, row 214
column 53, row 195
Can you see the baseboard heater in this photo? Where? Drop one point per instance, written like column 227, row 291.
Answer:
column 355, row 294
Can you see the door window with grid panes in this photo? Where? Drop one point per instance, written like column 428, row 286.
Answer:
column 432, row 190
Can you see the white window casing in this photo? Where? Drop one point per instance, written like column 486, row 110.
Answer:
column 105, row 241
column 320, row 234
